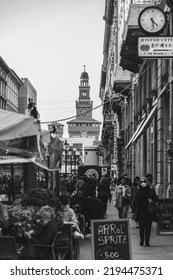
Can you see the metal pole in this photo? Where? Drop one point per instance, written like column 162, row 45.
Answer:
column 65, row 161
column 170, row 142
column 71, row 161
column 171, row 98
column 74, row 156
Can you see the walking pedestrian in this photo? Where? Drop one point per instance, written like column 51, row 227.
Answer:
column 104, row 192
column 122, row 198
column 90, row 188
column 128, row 180
column 63, row 185
column 80, row 183
column 150, row 179
column 134, row 188
column 144, row 195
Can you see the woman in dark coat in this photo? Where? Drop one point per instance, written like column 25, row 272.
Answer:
column 143, row 196
column 104, row 192
column 134, row 188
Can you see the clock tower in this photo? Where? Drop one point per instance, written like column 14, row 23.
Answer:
column 84, row 125
column 84, row 105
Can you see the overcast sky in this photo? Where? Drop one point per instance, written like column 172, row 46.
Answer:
column 48, row 42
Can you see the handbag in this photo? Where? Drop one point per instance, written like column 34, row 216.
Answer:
column 126, row 200
column 115, row 203
column 153, row 208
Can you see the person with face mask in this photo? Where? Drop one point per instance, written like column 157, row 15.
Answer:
column 143, row 196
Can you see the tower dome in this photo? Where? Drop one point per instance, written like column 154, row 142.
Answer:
column 84, row 74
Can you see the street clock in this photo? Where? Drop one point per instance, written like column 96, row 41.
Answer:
column 152, row 20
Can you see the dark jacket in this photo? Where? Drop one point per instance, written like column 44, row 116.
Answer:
column 78, row 199
column 90, row 189
column 140, row 206
column 104, row 188
column 45, row 233
column 42, row 236
column 93, row 208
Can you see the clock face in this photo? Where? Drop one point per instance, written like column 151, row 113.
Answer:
column 91, row 172
column 152, row 20
column 84, row 111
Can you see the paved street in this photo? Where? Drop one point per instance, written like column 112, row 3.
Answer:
column 161, row 245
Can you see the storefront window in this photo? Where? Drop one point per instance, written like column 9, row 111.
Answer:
column 11, row 181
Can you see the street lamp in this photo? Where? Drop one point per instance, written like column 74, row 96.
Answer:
column 66, row 145
column 73, row 160
column 77, row 159
column 70, row 158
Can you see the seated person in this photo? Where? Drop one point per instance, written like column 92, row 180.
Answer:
column 78, row 199
column 69, row 216
column 77, row 202
column 42, row 236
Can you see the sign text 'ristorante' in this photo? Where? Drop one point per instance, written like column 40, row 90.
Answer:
column 155, row 47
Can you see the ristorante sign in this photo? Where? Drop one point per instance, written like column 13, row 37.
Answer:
column 155, row 47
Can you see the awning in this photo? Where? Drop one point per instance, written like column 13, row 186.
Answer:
column 14, row 125
column 44, row 150
column 146, row 124
column 139, row 126
column 22, row 140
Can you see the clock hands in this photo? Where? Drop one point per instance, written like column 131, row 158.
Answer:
column 153, row 22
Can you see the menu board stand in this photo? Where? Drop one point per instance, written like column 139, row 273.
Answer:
column 165, row 216
column 110, row 239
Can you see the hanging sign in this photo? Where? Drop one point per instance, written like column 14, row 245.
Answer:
column 114, row 167
column 155, row 47
column 104, row 171
column 109, row 118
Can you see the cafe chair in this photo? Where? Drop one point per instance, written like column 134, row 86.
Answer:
column 64, row 243
column 8, row 248
column 51, row 247
column 83, row 225
column 80, row 217
column 76, row 247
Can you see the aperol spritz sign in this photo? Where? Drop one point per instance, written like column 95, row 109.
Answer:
column 110, row 239
column 155, row 47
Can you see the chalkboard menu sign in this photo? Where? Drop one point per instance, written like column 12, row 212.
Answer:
column 165, row 223
column 110, row 239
